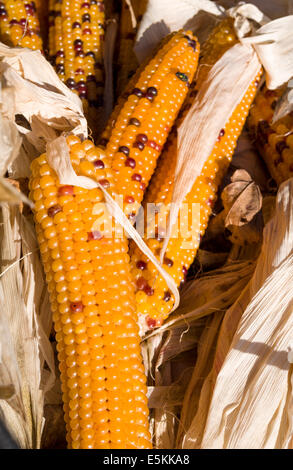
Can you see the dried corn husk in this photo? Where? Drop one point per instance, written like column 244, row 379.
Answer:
column 250, row 380
column 25, row 323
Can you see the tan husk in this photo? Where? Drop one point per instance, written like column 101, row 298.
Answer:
column 25, row 323
column 251, row 393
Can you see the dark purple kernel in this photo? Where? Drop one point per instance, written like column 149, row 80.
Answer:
column 99, row 164
column 91, row 54
column 221, row 133
column 142, row 138
column 93, row 2
column 76, row 24
column 13, row 22
column 87, row 31
column 130, row 162
column 280, row 146
column 136, row 177
column 23, row 22
column 151, row 91
column 79, row 71
column 167, row 296
column 85, row 5
column 54, row 210
column 138, row 145
column 60, row 69
column 134, row 122
column 138, row 92
column 184, row 271
column 70, row 83
column 168, row 262
column 79, row 53
column 3, row 13
column 141, row 265
column 78, row 42
column 124, row 149
column 60, row 54
column 90, row 78
column 86, row 17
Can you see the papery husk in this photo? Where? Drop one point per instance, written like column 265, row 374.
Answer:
column 251, row 401
column 170, row 351
column 165, row 16
column 25, row 324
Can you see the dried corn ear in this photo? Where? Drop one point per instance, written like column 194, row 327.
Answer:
column 93, row 304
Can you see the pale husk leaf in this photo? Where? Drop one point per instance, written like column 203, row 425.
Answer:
column 251, row 401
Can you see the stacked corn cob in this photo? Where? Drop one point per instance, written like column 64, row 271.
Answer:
column 143, row 117
column 93, row 304
column 88, row 270
column 153, row 298
column 127, row 62
column 19, row 24
column 274, row 141
column 76, row 33
column 42, row 7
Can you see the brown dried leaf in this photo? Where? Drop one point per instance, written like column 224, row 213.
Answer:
column 242, row 199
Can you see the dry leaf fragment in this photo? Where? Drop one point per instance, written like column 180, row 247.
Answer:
column 242, row 199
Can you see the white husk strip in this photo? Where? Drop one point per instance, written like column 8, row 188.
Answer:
column 24, row 340
column 251, row 402
column 164, row 16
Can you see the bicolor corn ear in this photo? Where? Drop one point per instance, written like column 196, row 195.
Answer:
column 143, row 118
column 93, row 304
column 76, row 37
column 153, row 297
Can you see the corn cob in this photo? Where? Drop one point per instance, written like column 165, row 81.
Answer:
column 153, row 298
column 274, row 141
column 141, row 121
column 93, row 304
column 19, row 24
column 76, row 33
column 127, row 61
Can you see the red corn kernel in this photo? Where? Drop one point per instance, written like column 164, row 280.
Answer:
column 54, row 210
column 65, row 190
column 130, row 162
column 105, row 183
column 148, row 290
column 141, row 265
column 99, row 164
column 167, row 296
column 151, row 322
column 168, row 262
column 129, row 199
column 141, row 283
column 136, row 177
